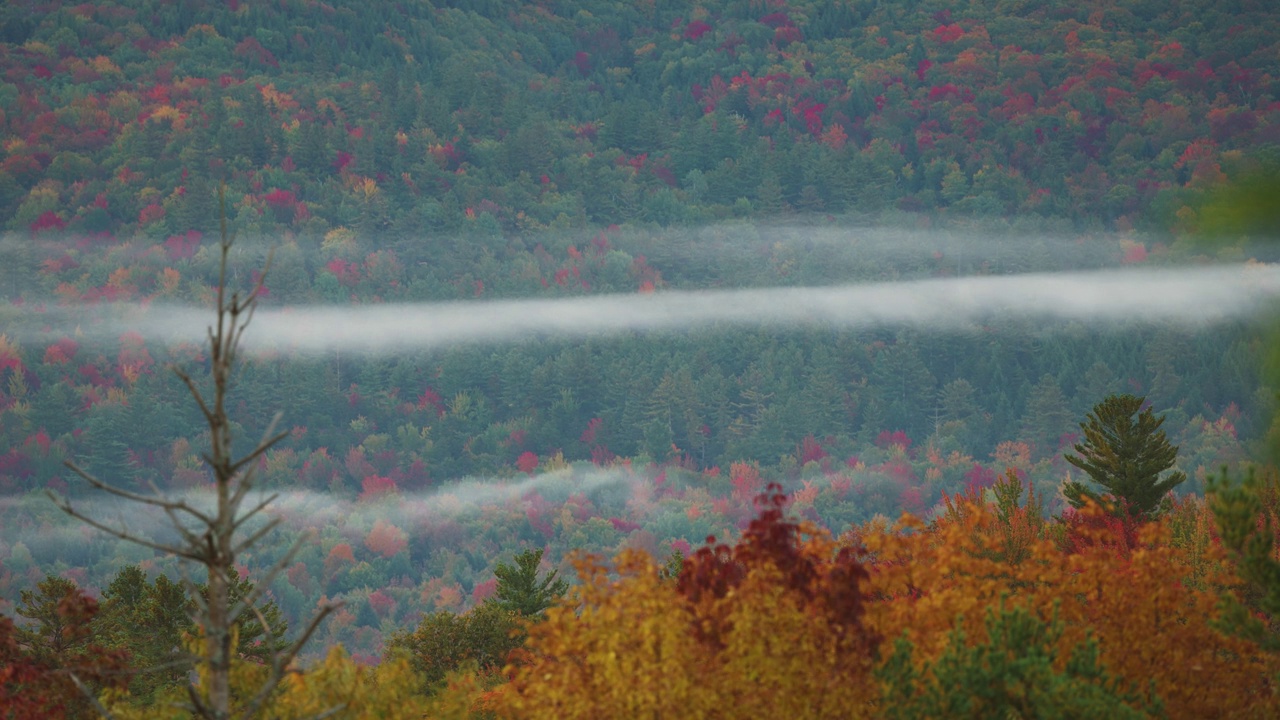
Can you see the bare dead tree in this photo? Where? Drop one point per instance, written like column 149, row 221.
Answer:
column 212, row 539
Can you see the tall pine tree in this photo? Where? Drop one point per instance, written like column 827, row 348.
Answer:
column 1125, row 456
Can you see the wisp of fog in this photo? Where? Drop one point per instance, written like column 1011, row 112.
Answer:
column 303, row 509
column 1187, row 297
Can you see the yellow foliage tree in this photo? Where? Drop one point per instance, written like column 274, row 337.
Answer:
column 771, row 627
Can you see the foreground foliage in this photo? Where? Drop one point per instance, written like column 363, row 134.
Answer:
column 1078, row 621
column 986, row 610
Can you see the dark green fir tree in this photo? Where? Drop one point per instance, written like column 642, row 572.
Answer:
column 1125, row 451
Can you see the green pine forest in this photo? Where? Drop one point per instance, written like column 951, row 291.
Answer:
column 433, row 151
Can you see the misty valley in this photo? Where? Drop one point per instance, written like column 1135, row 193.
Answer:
column 478, row 359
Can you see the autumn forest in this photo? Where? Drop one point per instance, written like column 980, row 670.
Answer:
column 742, row 358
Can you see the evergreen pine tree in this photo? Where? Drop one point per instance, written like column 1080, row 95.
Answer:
column 49, row 635
column 520, row 590
column 151, row 622
column 1123, row 456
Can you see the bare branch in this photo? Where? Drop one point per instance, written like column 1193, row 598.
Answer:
column 280, row 663
column 191, row 538
column 256, row 536
column 214, row 546
column 197, row 705
column 154, row 500
column 260, row 588
column 195, row 392
column 187, row 660
column 239, row 522
column 257, row 452
column 123, row 534
column 331, row 712
column 269, row 438
column 202, row 607
column 262, row 620
column 93, row 699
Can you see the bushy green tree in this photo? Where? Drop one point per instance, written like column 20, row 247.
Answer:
column 1246, row 513
column 261, row 634
column 1010, row 675
column 1124, row 455
column 51, row 635
column 446, row 641
column 150, row 620
column 485, row 635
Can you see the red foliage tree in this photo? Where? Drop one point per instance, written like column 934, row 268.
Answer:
column 810, row 451
column 745, row 479
column 61, row 352
column 48, row 221
column 827, row 587
column 39, row 686
column 1115, row 528
column 375, row 486
column 339, row 556
column 150, row 214
column 484, row 590
column 527, row 462
column 695, row 30
column 382, row 604
column 888, row 439
column 948, row 33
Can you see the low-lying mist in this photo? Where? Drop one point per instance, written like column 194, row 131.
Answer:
column 302, row 510
column 1185, row 297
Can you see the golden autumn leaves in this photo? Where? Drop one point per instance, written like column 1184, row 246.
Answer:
column 771, row 627
column 791, row 622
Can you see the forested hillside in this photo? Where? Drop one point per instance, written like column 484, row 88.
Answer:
column 468, row 152
column 408, row 121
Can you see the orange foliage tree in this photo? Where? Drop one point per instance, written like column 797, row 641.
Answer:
column 1156, row 633
column 386, row 539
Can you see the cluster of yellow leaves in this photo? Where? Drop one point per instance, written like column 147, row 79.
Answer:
column 104, row 65
column 339, row 242
column 202, row 29
column 169, row 279
column 170, row 113
column 788, row 624
column 119, row 278
column 637, row 647
column 389, row 690
column 363, row 188
column 337, row 686
column 281, row 101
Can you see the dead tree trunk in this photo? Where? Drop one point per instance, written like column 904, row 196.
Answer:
column 209, row 537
